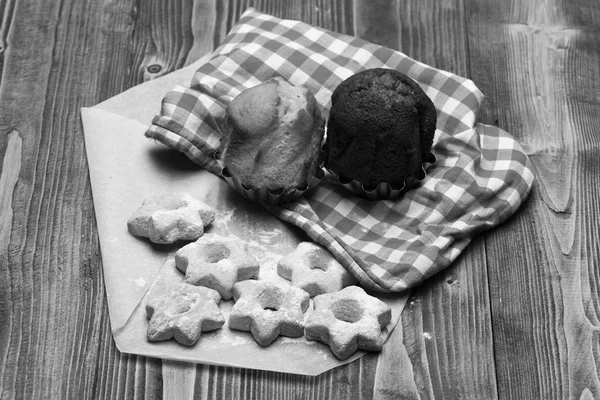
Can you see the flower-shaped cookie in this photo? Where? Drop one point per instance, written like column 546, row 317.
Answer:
column 348, row 320
column 171, row 217
column 216, row 262
column 312, row 268
column 268, row 309
column 184, row 313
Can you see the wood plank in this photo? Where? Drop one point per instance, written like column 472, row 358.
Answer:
column 6, row 12
column 53, row 344
column 541, row 78
column 42, row 235
column 341, row 383
column 170, row 35
column 11, row 168
column 377, row 22
column 449, row 338
column 181, row 379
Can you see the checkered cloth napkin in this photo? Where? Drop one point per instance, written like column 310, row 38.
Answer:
column 481, row 176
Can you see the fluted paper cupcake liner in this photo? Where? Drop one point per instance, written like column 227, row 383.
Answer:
column 385, row 191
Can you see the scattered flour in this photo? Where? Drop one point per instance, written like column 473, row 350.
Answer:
column 223, row 217
column 231, row 339
column 268, row 266
column 267, row 236
column 140, row 282
column 298, row 340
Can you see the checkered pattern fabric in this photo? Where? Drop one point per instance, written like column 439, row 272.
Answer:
column 481, row 176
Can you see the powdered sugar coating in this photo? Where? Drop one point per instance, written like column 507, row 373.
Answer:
column 171, row 217
column 183, row 313
column 268, row 309
column 312, row 268
column 348, row 320
column 216, row 262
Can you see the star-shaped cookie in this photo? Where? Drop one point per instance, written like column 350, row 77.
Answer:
column 183, row 313
column 268, row 309
column 216, row 262
column 348, row 320
column 313, row 269
column 171, row 217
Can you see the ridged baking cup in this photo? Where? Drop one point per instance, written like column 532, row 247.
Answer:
column 264, row 195
column 384, row 191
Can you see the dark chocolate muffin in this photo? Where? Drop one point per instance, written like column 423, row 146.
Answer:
column 380, row 129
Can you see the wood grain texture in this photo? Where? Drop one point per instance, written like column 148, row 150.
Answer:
column 516, row 317
column 542, row 83
column 448, row 332
column 52, row 288
column 6, row 13
column 55, row 341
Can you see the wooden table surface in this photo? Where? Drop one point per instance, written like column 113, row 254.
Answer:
column 517, row 316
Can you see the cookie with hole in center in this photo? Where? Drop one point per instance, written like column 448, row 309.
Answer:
column 183, row 314
column 268, row 309
column 216, row 262
column 348, row 320
column 171, row 217
column 313, row 269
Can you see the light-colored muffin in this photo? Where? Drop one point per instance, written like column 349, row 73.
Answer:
column 273, row 137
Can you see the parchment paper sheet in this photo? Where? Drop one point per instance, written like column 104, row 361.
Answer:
column 125, row 168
